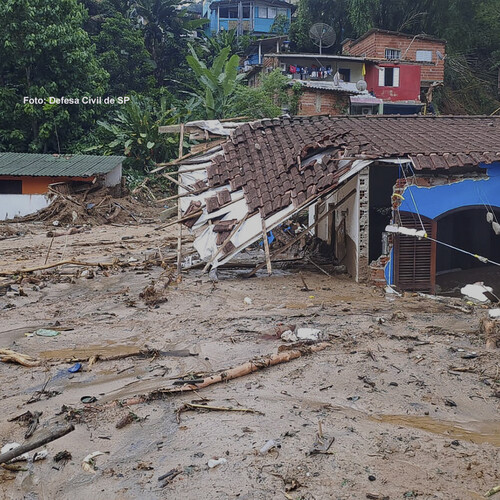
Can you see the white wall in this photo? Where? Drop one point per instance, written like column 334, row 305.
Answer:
column 114, row 177
column 21, row 204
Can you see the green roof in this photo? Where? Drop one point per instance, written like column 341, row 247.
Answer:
column 27, row 164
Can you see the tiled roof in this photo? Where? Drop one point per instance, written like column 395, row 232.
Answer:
column 273, row 160
column 26, row 164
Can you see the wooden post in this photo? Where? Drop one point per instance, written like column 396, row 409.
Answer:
column 179, row 211
column 266, row 247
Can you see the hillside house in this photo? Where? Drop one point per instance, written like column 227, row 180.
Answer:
column 252, row 17
column 25, row 178
column 406, row 67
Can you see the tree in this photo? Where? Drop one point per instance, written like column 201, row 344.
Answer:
column 165, row 27
column 215, row 94
column 121, row 50
column 44, row 52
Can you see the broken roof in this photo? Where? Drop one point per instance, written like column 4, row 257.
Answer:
column 266, row 158
column 28, row 164
column 269, row 169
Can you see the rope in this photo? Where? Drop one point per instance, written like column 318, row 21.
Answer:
column 413, row 199
column 482, row 259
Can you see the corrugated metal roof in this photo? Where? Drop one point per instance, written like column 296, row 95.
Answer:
column 37, row 165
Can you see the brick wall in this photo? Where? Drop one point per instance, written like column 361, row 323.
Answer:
column 377, row 271
column 374, row 45
column 318, row 102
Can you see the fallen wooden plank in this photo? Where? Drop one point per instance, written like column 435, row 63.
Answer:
column 44, row 437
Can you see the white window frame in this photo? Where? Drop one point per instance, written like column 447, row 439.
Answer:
column 282, row 12
column 271, row 12
column 392, row 54
column 262, row 12
column 395, row 77
column 423, row 56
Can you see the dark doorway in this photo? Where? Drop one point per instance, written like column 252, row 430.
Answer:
column 382, row 180
column 469, row 230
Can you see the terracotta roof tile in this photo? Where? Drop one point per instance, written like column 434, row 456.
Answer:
column 262, row 156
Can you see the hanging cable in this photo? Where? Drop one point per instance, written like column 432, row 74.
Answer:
column 482, row 259
column 413, row 199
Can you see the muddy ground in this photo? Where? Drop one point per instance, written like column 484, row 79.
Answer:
column 406, row 387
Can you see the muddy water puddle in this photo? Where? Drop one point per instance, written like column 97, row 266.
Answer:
column 477, row 432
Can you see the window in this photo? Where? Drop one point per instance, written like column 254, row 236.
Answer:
column 424, row 56
column 392, row 54
column 345, row 74
column 283, row 12
column 11, row 187
column 267, row 12
column 388, row 77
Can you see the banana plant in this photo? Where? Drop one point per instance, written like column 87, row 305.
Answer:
column 133, row 131
column 216, row 86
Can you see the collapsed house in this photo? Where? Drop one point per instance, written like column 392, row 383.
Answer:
column 362, row 179
column 26, row 179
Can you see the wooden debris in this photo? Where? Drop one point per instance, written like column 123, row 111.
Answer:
column 9, row 356
column 492, row 492
column 68, row 262
column 169, row 476
column 490, row 329
column 232, row 373
column 46, row 436
column 193, row 406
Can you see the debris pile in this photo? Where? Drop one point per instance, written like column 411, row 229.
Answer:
column 96, row 205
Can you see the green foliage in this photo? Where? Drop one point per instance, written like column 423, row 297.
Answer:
column 215, row 93
column 281, row 25
column 122, row 52
column 133, row 131
column 268, row 100
column 45, row 52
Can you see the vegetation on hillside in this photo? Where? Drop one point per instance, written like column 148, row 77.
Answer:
column 156, row 53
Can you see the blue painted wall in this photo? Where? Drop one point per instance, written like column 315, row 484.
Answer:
column 260, row 25
column 437, row 200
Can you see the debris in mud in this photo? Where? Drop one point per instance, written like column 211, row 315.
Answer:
column 89, row 464
column 205, row 407
column 271, row 444
column 127, row 420
column 9, row 356
column 312, row 334
column 169, row 476
column 43, row 437
column 212, row 463
column 62, row 457
column 96, row 205
column 155, row 294
column 322, row 443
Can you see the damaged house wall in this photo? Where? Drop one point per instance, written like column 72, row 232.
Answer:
column 468, row 197
column 266, row 171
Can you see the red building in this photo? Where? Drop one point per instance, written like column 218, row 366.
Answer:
column 405, row 66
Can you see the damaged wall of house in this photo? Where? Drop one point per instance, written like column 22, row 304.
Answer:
column 456, row 207
column 342, row 229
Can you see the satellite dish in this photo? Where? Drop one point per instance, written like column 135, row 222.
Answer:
column 322, row 35
column 361, row 85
